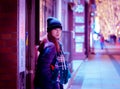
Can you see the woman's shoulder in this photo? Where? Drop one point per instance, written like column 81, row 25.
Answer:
column 49, row 47
column 49, row 44
column 46, row 44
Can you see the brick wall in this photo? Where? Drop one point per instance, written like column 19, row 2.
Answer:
column 8, row 44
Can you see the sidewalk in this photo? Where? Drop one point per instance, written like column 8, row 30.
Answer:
column 100, row 71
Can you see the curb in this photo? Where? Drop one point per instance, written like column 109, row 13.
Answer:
column 68, row 85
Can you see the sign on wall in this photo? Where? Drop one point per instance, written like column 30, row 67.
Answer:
column 79, row 29
column 21, row 30
column 79, row 19
column 79, row 47
column 79, row 38
column 79, row 8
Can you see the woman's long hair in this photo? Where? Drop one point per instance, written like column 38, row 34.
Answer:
column 51, row 39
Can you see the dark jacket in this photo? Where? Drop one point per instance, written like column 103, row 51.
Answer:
column 43, row 73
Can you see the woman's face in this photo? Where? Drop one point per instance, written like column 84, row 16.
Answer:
column 56, row 33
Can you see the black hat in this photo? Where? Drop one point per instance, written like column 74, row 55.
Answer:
column 53, row 23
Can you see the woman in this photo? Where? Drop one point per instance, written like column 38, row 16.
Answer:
column 101, row 41
column 49, row 49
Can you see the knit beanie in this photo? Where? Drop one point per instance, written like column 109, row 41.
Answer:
column 53, row 23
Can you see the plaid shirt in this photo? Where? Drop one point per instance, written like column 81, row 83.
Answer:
column 60, row 68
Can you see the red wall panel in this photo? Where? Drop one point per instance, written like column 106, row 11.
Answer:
column 8, row 44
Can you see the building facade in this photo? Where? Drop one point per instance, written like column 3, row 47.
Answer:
column 23, row 24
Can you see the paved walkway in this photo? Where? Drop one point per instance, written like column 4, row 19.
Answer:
column 100, row 71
